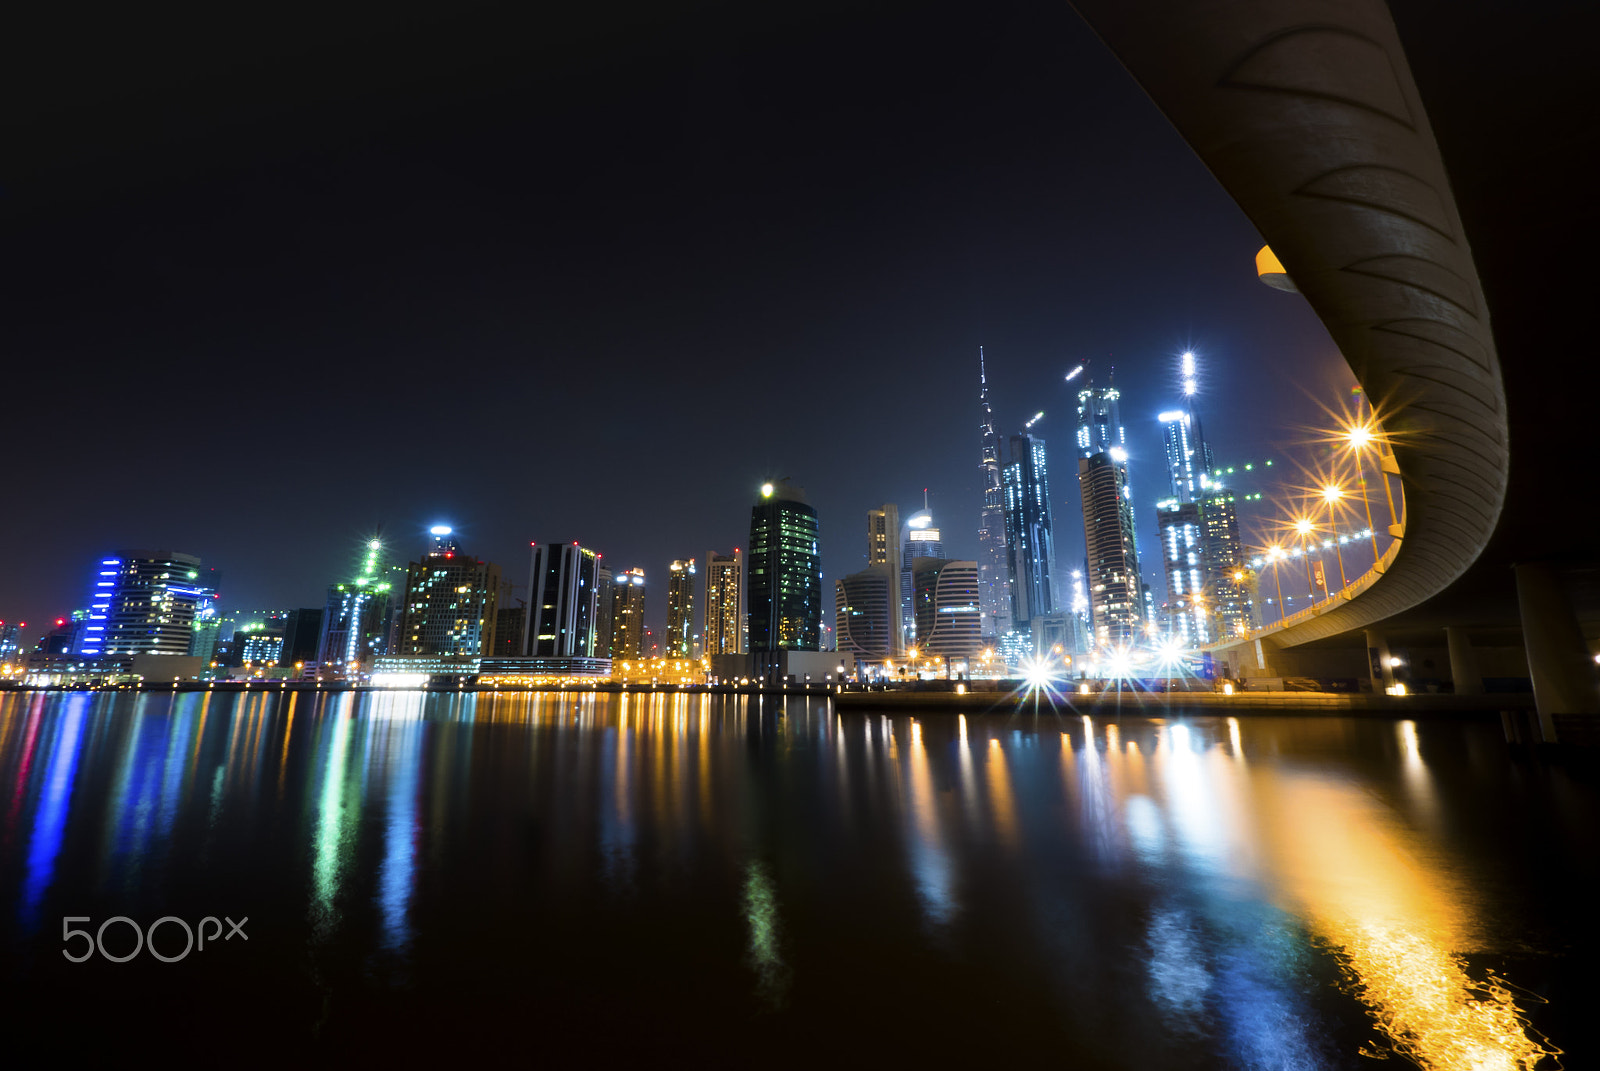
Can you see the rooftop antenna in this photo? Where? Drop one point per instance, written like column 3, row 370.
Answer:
column 925, row 498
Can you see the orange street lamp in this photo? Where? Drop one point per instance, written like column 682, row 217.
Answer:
column 1304, row 528
column 1274, row 553
column 1331, row 494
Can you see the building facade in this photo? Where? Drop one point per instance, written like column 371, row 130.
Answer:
column 563, row 601
column 922, row 540
column 1116, row 599
column 785, row 580
column 450, row 602
column 1030, row 541
column 144, row 602
column 949, row 616
column 883, row 549
column 682, row 578
column 994, row 568
column 867, row 614
column 1182, row 555
column 358, row 616
column 725, row 611
column 627, row 615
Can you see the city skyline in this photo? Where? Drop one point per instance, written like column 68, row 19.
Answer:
column 978, row 225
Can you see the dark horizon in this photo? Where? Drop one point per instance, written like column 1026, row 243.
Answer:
column 600, row 288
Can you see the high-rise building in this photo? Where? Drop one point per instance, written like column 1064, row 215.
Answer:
column 681, row 580
column 627, row 615
column 884, row 548
column 11, row 641
column 604, row 625
column 866, row 613
column 144, row 602
column 994, row 569
column 563, row 601
column 1187, row 454
column 922, row 540
column 1182, row 555
column 357, row 616
column 785, row 582
column 1229, row 594
column 1100, row 431
column 451, row 599
column 1116, row 601
column 949, row 615
column 1030, row 542
column 725, row 611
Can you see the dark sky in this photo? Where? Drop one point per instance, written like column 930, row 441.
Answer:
column 273, row 277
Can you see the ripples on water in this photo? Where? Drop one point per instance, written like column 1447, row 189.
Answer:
column 737, row 880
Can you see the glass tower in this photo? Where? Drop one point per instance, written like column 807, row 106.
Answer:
column 994, row 571
column 564, row 594
column 1030, row 545
column 680, row 608
column 1116, row 600
column 724, row 631
column 785, row 583
column 144, row 602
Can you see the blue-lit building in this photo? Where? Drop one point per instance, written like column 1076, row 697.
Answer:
column 144, row 602
column 1030, row 542
column 355, row 621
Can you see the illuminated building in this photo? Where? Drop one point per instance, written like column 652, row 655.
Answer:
column 867, row 614
column 11, row 652
column 922, row 541
column 1116, row 600
column 681, row 576
column 1224, row 559
column 206, row 631
column 1100, row 431
column 883, row 549
column 144, row 602
column 994, row 568
column 260, row 646
column 450, row 601
column 1182, row 555
column 356, row 619
column 604, row 626
column 949, row 617
column 627, row 615
column 1030, row 543
column 563, row 602
column 785, row 582
column 725, row 610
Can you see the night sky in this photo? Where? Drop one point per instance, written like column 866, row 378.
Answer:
column 274, row 279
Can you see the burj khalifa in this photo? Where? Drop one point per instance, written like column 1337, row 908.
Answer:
column 994, row 573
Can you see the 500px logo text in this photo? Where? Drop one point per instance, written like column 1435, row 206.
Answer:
column 147, row 938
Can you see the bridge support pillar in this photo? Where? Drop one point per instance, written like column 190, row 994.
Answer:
column 1559, row 662
column 1464, row 671
column 1378, row 666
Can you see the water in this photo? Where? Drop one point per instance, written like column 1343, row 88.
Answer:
column 688, row 879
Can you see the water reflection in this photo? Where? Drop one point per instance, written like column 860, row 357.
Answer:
column 1245, row 866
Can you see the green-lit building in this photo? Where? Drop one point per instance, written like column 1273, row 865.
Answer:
column 785, row 578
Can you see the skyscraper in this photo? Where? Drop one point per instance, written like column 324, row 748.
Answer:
column 785, row 572
column 1030, row 543
column 627, row 615
column 1100, row 431
column 1182, row 555
column 724, row 629
column 357, row 615
column 562, row 604
column 681, row 579
column 883, row 548
column 604, row 607
column 866, row 615
column 1116, row 601
column 994, row 570
column 450, row 603
column 1229, row 596
column 948, row 612
column 143, row 602
column 923, row 540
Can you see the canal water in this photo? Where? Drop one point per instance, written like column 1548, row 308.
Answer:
column 738, row 881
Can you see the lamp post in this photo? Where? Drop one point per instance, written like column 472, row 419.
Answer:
column 1274, row 553
column 1331, row 494
column 1361, row 437
column 1303, row 527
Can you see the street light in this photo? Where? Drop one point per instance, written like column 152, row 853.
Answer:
column 1303, row 527
column 1331, row 494
column 1361, row 437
